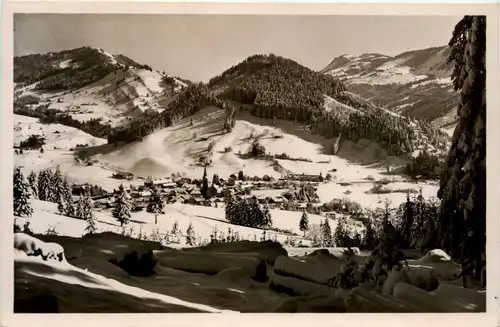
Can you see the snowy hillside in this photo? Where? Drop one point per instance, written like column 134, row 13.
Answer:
column 177, row 149
column 56, row 136
column 89, row 83
column 415, row 83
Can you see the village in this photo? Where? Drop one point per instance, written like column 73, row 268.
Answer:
column 277, row 193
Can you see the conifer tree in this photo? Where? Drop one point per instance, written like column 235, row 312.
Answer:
column 370, row 236
column 340, row 233
column 88, row 206
column 51, row 187
column 230, row 210
column 408, row 220
column 61, row 206
column 44, row 192
column 462, row 216
column 88, row 214
column 175, row 232
column 267, row 220
column 204, row 186
column 80, row 208
column 122, row 206
column 22, row 195
column 252, row 211
column 304, row 223
column 68, row 198
column 156, row 203
column 215, row 180
column 327, row 233
column 190, row 235
column 57, row 184
column 33, row 184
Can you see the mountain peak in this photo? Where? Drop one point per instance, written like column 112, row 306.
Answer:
column 414, row 83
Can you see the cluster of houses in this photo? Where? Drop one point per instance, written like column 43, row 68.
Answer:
column 188, row 191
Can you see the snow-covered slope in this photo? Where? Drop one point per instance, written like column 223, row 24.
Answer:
column 415, row 83
column 91, row 83
column 178, row 149
column 66, row 276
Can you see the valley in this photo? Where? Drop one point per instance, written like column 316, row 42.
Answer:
column 253, row 192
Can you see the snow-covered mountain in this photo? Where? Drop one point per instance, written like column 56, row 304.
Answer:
column 414, row 83
column 91, row 83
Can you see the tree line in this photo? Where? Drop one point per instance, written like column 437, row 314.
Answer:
column 194, row 98
column 94, row 126
column 51, row 186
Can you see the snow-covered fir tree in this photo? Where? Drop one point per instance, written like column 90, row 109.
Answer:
column 52, row 188
column 122, row 206
column 304, row 223
column 252, row 210
column 80, row 208
column 327, row 233
column 68, row 198
column 156, row 203
column 22, row 195
column 57, row 184
column 89, row 215
column 462, row 216
column 340, row 233
column 190, row 235
column 174, row 232
column 231, row 208
column 85, row 206
column 61, row 207
column 32, row 180
column 266, row 218
column 44, row 188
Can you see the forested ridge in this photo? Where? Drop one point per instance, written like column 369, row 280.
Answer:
column 275, row 87
column 280, row 88
column 83, row 66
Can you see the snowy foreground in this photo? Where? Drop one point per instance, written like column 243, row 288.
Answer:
column 227, row 280
column 242, row 276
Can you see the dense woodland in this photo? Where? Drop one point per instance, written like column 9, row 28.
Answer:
column 248, row 213
column 86, row 65
column 280, row 88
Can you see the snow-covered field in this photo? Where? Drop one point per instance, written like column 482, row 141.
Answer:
column 56, row 136
column 203, row 219
column 390, row 72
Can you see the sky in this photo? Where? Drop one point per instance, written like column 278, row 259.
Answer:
column 198, row 47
